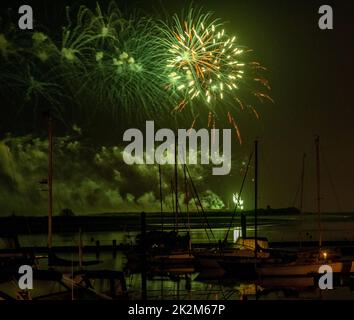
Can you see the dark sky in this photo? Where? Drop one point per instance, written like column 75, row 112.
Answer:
column 311, row 72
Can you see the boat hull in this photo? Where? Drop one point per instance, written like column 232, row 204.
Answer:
column 304, row 269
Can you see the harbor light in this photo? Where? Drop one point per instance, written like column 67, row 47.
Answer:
column 324, row 255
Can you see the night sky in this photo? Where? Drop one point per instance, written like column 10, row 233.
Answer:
column 311, row 72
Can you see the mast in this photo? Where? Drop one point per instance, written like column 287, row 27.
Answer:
column 317, row 143
column 172, row 198
column 50, row 180
column 176, row 185
column 186, row 195
column 80, row 248
column 161, row 208
column 255, row 196
column 302, row 182
column 187, row 207
column 302, row 193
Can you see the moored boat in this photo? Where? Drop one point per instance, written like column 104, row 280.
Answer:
column 302, row 268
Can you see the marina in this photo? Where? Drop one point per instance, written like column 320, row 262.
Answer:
column 180, row 279
column 176, row 157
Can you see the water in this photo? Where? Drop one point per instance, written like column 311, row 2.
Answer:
column 191, row 286
column 276, row 228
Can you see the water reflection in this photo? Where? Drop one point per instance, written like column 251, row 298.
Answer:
column 190, row 287
column 212, row 284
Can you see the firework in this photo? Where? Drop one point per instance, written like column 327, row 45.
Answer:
column 28, row 88
column 43, row 48
column 124, row 68
column 10, row 53
column 137, row 67
column 22, row 81
column 103, row 60
column 207, row 66
column 10, row 42
column 65, row 62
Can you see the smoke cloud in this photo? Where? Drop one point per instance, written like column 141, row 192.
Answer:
column 89, row 179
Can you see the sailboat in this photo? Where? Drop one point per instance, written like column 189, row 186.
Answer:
column 53, row 259
column 241, row 259
column 164, row 251
column 308, row 262
column 178, row 259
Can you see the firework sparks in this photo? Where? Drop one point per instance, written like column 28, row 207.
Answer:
column 136, row 66
column 207, row 66
column 204, row 61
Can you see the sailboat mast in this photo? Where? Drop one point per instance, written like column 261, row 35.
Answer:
column 186, row 195
column 317, row 143
column 302, row 183
column 255, row 196
column 302, row 194
column 80, row 249
column 176, row 185
column 187, row 207
column 161, row 208
column 50, row 180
